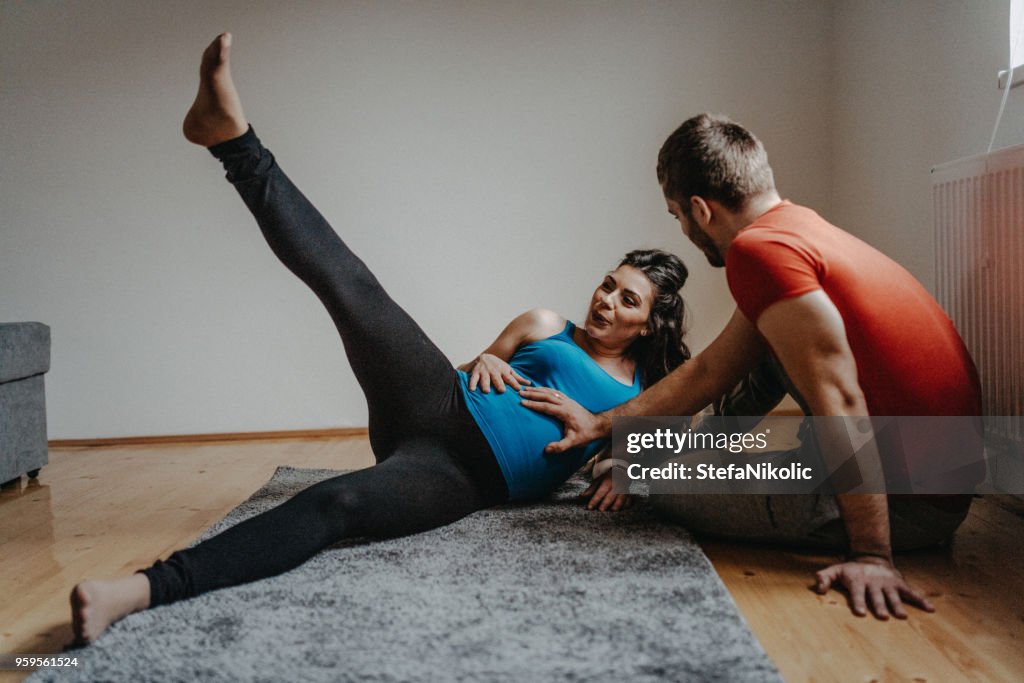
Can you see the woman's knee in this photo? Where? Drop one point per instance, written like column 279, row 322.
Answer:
column 338, row 502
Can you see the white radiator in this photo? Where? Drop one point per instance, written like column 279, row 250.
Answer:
column 979, row 236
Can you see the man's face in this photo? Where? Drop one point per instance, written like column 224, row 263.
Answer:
column 696, row 234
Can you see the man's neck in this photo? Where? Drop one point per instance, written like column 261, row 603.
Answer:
column 755, row 208
column 751, row 211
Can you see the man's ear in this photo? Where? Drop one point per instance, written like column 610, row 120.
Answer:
column 701, row 211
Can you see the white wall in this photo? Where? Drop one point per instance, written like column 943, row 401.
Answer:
column 915, row 85
column 482, row 157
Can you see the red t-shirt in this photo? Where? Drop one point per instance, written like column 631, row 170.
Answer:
column 910, row 358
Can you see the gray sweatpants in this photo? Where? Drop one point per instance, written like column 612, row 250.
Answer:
column 798, row 520
column 810, row 521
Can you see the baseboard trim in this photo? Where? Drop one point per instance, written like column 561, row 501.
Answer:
column 244, row 436
column 207, row 438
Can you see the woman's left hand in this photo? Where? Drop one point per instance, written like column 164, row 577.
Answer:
column 489, row 370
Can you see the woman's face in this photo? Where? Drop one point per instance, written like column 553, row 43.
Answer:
column 620, row 307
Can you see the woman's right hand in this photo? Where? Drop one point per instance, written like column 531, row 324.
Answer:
column 490, row 370
column 602, row 495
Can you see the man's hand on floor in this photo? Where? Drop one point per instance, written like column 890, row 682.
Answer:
column 874, row 581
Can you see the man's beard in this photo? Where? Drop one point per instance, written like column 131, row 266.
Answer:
column 701, row 240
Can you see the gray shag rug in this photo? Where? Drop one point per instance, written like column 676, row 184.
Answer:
column 537, row 592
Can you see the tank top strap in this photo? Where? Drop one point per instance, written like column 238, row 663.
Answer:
column 566, row 333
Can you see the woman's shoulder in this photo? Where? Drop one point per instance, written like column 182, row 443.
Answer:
column 541, row 323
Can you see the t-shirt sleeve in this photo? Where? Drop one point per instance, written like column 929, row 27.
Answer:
column 762, row 271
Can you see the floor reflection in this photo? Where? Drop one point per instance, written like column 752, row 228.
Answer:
column 27, row 544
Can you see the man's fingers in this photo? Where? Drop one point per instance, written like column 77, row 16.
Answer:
column 553, row 409
column 826, row 577
column 474, row 379
column 497, row 383
column 556, row 446
column 860, row 604
column 485, row 382
column 895, row 604
column 541, row 394
column 544, row 402
column 878, row 605
column 541, row 406
column 915, row 597
column 882, row 592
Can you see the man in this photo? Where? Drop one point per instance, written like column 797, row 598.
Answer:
column 856, row 334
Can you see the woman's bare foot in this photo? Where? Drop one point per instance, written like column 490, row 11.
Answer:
column 95, row 605
column 216, row 115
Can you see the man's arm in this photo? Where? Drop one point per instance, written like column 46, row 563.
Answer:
column 808, row 336
column 684, row 391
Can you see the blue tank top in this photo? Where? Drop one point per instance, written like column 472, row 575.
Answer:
column 518, row 435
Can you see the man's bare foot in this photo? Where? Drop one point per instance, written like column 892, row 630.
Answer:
column 95, row 605
column 216, row 115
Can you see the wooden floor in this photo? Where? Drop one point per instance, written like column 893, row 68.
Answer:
column 98, row 512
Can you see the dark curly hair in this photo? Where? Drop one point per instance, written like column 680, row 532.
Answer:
column 662, row 349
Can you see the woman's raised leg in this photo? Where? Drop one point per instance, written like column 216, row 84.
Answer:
column 408, row 382
column 427, row 482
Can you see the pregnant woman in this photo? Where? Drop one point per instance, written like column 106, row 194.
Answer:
column 447, row 441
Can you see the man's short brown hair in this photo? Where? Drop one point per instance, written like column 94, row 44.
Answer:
column 713, row 157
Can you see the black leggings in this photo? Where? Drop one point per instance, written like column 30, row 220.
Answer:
column 434, row 466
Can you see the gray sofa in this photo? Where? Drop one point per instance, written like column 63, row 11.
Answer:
column 24, row 359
